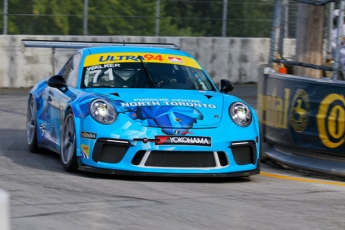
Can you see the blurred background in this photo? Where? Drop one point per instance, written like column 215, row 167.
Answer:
column 195, row 18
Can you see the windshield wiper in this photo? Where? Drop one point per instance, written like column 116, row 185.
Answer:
column 149, row 78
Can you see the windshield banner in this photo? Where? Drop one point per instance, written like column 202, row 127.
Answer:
column 108, row 58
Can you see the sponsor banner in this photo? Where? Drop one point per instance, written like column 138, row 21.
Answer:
column 117, row 58
column 88, row 135
column 183, row 140
column 304, row 113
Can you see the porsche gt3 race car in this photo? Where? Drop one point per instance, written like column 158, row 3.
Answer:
column 141, row 109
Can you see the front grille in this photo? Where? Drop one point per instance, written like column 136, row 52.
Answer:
column 108, row 152
column 244, row 153
column 181, row 159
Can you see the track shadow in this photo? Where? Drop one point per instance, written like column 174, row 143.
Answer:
column 13, row 146
column 168, row 179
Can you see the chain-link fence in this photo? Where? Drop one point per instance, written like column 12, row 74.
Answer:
column 285, row 22
column 317, row 31
column 227, row 18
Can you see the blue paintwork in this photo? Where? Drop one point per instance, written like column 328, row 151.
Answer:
column 201, row 116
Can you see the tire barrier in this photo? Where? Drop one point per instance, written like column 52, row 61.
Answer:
column 4, row 210
column 303, row 121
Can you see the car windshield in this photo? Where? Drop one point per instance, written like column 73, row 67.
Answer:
column 138, row 75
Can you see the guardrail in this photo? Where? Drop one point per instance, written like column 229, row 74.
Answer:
column 303, row 121
column 4, row 211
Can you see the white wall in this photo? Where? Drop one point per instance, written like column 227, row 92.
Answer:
column 236, row 59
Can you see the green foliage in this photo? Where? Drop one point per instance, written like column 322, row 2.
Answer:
column 250, row 19
column 245, row 18
column 116, row 17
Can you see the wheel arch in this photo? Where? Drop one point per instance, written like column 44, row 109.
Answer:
column 31, row 95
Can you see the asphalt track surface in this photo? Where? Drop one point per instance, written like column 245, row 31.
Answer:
column 43, row 196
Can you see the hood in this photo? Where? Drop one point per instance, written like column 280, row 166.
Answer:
column 177, row 109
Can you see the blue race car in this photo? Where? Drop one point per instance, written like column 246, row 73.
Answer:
column 144, row 109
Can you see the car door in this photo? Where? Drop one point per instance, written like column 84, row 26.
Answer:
column 60, row 99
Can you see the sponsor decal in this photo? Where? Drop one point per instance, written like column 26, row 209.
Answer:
column 111, row 58
column 301, row 106
column 85, row 150
column 145, row 57
column 273, row 110
column 168, row 103
column 175, row 59
column 331, row 120
column 105, row 66
column 183, row 140
column 48, row 132
column 88, row 135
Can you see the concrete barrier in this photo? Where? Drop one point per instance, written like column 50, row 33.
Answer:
column 302, row 121
column 4, row 211
column 235, row 59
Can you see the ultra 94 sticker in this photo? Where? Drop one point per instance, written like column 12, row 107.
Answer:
column 183, row 140
column 117, row 58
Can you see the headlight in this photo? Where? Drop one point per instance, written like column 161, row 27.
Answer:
column 240, row 114
column 102, row 111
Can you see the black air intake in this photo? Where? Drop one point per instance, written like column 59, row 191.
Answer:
column 109, row 150
column 244, row 152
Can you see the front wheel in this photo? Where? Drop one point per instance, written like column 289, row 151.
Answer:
column 31, row 127
column 68, row 144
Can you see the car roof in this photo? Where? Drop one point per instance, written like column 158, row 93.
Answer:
column 136, row 49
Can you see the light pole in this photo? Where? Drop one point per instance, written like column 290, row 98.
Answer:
column 158, row 10
column 225, row 16
column 5, row 17
column 85, row 17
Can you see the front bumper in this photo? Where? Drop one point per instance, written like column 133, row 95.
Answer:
column 161, row 174
column 124, row 150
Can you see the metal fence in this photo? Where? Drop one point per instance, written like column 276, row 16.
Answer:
column 285, row 22
column 207, row 18
column 227, row 18
column 285, row 26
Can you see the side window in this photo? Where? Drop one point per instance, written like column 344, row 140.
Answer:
column 70, row 70
column 72, row 78
column 67, row 68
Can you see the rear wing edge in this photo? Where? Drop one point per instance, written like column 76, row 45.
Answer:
column 86, row 44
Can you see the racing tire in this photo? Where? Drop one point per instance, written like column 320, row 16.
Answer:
column 68, row 144
column 31, row 127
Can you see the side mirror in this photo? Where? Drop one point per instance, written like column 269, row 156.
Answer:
column 225, row 86
column 57, row 81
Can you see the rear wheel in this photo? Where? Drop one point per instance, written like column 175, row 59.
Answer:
column 68, row 144
column 31, row 127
